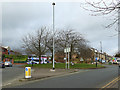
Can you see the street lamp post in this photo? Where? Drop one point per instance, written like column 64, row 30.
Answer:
column 53, row 37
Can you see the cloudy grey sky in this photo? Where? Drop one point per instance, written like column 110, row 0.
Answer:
column 19, row 18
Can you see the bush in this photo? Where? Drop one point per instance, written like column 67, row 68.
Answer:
column 110, row 63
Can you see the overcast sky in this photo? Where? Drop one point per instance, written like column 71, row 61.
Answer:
column 22, row 17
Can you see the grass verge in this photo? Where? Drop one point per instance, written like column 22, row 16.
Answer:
column 62, row 66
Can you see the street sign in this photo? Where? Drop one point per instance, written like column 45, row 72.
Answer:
column 66, row 50
column 96, row 58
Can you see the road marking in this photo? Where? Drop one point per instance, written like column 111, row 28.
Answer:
column 109, row 83
column 13, row 80
column 113, row 81
column 6, row 84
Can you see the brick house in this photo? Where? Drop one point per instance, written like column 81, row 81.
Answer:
column 4, row 51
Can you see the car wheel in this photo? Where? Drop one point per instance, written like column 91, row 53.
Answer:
column 10, row 65
column 3, row 67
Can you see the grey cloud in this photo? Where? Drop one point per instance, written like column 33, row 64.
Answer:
column 21, row 18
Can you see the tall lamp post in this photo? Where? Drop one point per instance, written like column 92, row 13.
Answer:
column 53, row 37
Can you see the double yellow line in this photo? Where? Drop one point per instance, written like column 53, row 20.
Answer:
column 112, row 82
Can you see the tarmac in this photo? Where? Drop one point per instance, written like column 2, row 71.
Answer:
column 41, row 74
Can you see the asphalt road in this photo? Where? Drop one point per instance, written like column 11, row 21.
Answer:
column 94, row 78
column 9, row 74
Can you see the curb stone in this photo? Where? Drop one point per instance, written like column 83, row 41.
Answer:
column 35, row 78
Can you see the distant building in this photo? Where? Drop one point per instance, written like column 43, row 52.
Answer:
column 4, row 50
column 7, row 51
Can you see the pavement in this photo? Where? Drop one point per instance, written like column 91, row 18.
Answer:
column 39, row 73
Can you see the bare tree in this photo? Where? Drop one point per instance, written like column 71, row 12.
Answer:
column 85, row 52
column 37, row 43
column 42, row 41
column 72, row 39
column 104, row 7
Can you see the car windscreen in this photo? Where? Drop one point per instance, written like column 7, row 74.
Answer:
column 118, row 60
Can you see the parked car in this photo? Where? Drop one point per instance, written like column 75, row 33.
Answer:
column 118, row 61
column 8, row 64
column 119, row 65
column 103, row 61
column 2, row 65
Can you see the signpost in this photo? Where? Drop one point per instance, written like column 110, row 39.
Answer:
column 67, row 50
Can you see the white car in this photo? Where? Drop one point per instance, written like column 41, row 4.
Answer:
column 118, row 60
column 8, row 63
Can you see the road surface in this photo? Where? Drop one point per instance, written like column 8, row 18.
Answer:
column 9, row 74
column 93, row 78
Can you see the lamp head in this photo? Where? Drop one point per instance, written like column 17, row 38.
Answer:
column 53, row 3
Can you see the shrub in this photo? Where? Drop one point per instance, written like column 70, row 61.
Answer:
column 110, row 63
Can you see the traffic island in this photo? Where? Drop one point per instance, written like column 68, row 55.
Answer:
column 46, row 73
column 33, row 78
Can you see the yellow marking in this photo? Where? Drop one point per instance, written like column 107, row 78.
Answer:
column 26, row 73
column 113, row 83
column 29, row 72
column 116, row 79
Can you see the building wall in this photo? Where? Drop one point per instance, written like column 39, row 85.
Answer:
column 4, row 51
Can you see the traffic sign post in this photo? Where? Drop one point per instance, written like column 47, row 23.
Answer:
column 27, row 72
column 67, row 50
column 68, row 61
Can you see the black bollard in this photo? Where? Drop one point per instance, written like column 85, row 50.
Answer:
column 96, row 63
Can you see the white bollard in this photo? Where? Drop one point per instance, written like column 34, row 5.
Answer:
column 27, row 72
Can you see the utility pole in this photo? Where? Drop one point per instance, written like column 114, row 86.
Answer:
column 53, row 36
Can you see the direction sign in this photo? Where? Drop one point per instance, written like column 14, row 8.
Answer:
column 96, row 58
column 26, row 69
column 66, row 50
